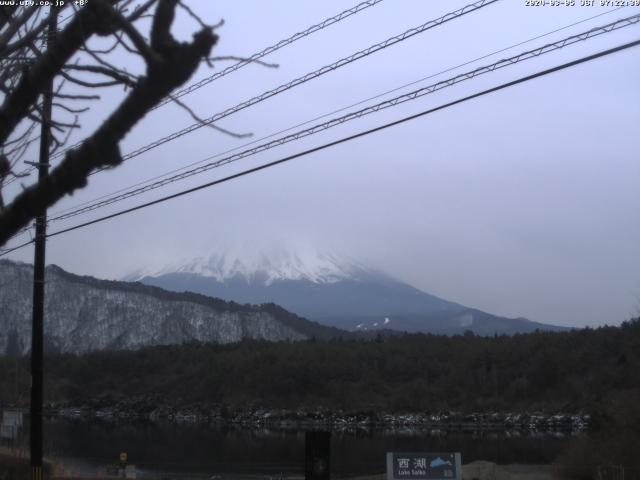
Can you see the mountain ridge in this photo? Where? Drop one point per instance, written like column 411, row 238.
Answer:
column 360, row 298
column 265, row 265
column 84, row 313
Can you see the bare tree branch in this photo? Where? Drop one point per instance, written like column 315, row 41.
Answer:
column 161, row 39
column 29, row 37
column 138, row 41
column 176, row 63
column 140, row 11
column 14, row 26
column 76, row 97
column 16, row 105
column 93, row 54
column 243, row 59
column 204, row 123
column 6, row 12
column 87, row 84
column 63, row 142
column 193, row 15
column 69, row 109
column 104, row 52
column 18, row 138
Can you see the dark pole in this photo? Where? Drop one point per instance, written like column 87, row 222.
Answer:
column 38, row 279
column 317, row 465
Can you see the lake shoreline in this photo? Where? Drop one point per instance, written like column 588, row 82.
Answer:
column 537, row 421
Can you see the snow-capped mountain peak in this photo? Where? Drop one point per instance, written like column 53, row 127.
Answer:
column 266, row 265
column 327, row 288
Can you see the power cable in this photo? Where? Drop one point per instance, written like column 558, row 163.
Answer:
column 410, row 96
column 251, row 59
column 7, row 251
column 353, row 137
column 360, row 113
column 307, row 77
column 266, row 51
column 306, row 122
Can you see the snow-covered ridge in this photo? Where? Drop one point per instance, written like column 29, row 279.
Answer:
column 265, row 265
column 84, row 314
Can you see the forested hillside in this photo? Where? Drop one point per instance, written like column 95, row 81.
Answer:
column 579, row 370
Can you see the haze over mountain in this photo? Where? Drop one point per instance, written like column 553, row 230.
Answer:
column 328, row 288
column 84, row 313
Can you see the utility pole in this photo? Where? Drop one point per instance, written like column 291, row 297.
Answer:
column 37, row 332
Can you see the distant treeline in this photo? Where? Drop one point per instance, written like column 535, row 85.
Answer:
column 588, row 369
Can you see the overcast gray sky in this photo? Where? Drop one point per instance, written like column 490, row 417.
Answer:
column 520, row 203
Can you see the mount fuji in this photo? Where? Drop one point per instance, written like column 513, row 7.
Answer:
column 329, row 289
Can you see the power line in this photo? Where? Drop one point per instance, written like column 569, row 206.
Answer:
column 412, row 95
column 356, row 56
column 306, row 122
column 360, row 113
column 7, row 251
column 282, row 43
column 256, row 56
column 353, row 137
column 312, row 75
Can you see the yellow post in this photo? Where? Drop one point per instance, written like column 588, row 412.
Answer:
column 36, row 473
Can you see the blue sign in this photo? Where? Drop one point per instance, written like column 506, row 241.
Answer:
column 424, row 466
column 11, row 423
column 8, row 431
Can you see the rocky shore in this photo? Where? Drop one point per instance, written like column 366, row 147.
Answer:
column 152, row 410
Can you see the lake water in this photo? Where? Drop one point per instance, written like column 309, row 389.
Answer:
column 203, row 450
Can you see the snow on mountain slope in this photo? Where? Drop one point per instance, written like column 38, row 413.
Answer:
column 327, row 288
column 264, row 265
column 84, row 314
